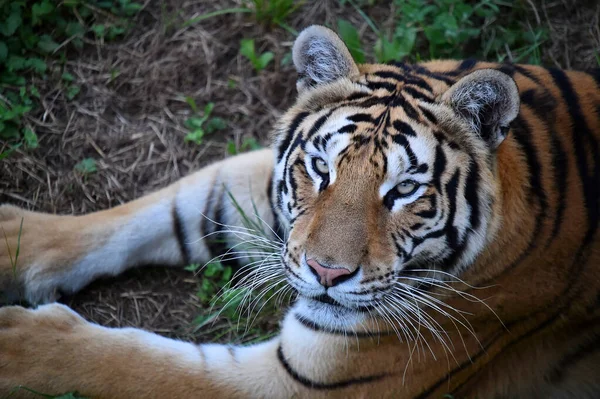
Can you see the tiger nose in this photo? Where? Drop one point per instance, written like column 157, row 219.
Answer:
column 328, row 276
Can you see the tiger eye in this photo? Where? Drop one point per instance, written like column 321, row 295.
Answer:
column 407, row 187
column 321, row 166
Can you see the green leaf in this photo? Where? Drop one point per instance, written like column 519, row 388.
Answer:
column 192, row 103
column 34, row 91
column 114, row 31
column 72, row 91
column 196, row 136
column 264, row 60
column 3, row 52
column 349, row 35
column 231, row 148
column 192, row 267
column 287, row 59
column 208, row 108
column 10, row 150
column 39, row 10
column 16, row 63
column 67, row 77
column 99, row 30
column 69, row 395
column 47, row 44
column 214, row 124
column 86, row 166
column 74, row 29
column 250, row 143
column 195, row 122
column 405, row 38
column 31, row 139
column 10, row 131
column 10, row 25
column 247, row 49
column 37, row 64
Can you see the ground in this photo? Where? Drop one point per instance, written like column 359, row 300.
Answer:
column 130, row 117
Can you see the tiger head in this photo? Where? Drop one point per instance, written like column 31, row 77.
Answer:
column 384, row 173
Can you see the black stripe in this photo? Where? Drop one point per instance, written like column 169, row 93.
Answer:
column 434, row 75
column 317, row 125
column 311, row 325
column 351, row 128
column 471, row 194
column 428, row 115
column 403, row 128
column 595, row 74
column 391, row 87
column 467, row 65
column 464, row 66
column 205, row 213
column 451, row 191
column 414, row 93
column 544, row 106
column 361, row 118
column 522, row 134
column 401, row 140
column 389, row 75
column 523, row 71
column 285, row 143
column 582, row 138
column 180, row 234
column 277, row 227
column 410, row 111
column 217, row 242
column 439, row 165
column 308, row 383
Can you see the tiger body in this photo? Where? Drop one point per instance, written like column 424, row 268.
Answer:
column 441, row 232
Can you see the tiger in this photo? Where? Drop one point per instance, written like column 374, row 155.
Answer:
column 437, row 221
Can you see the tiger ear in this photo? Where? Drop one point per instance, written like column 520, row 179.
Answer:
column 321, row 57
column 488, row 100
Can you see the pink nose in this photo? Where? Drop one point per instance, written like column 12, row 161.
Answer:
column 328, row 277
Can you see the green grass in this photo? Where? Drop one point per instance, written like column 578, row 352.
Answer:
column 201, row 125
column 69, row 395
column 269, row 13
column 14, row 261
column 35, row 37
column 488, row 29
column 258, row 61
column 260, row 289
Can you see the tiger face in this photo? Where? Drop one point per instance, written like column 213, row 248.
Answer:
column 383, row 176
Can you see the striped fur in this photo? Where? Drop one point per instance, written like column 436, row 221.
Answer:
column 482, row 282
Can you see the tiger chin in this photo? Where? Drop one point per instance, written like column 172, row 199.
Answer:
column 438, row 222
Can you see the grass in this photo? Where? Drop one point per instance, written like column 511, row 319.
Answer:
column 14, row 261
column 35, row 40
column 237, row 298
column 70, row 395
column 449, row 29
column 200, row 125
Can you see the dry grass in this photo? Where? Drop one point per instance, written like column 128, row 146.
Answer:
column 130, row 113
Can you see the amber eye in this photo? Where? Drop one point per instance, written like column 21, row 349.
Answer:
column 320, row 166
column 407, row 187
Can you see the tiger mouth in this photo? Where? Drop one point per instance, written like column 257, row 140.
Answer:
column 326, row 299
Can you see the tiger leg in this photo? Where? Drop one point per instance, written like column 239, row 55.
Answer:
column 65, row 253
column 52, row 350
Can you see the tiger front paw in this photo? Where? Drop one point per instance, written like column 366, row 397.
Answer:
column 33, row 251
column 38, row 348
